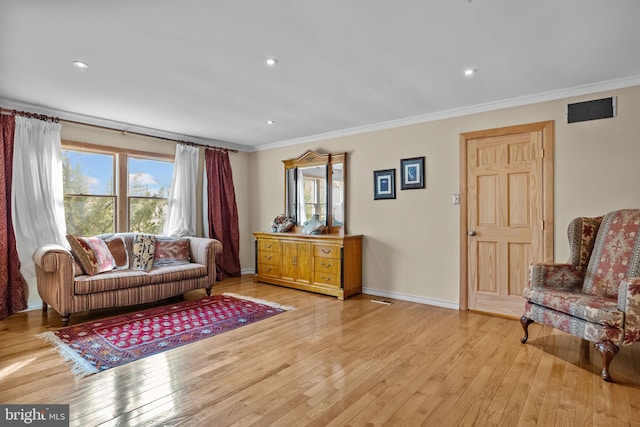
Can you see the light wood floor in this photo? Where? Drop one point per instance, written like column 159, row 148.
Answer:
column 334, row 363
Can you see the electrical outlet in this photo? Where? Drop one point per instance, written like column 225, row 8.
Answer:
column 456, row 199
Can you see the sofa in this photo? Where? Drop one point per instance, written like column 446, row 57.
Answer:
column 596, row 294
column 69, row 286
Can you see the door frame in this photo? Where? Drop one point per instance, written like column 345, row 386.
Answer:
column 547, row 129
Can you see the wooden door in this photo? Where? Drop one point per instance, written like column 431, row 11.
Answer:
column 508, row 221
column 296, row 261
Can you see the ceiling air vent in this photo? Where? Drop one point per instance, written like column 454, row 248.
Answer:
column 591, row 110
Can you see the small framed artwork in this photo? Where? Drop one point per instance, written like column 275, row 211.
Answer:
column 384, row 184
column 412, row 173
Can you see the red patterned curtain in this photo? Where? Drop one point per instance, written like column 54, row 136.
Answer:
column 12, row 284
column 223, row 212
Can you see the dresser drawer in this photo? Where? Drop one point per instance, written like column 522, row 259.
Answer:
column 327, row 251
column 269, row 270
column 327, row 265
column 268, row 245
column 272, row 258
column 320, row 277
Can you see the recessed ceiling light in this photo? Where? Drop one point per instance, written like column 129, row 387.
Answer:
column 271, row 122
column 470, row 72
column 80, row 64
column 272, row 61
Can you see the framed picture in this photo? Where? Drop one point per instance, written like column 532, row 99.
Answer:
column 412, row 173
column 384, row 184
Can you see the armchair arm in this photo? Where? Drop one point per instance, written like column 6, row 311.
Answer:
column 565, row 277
column 629, row 303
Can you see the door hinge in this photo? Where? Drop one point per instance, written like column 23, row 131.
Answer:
column 542, row 225
column 542, row 153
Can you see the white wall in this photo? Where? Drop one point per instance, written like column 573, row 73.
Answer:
column 411, row 244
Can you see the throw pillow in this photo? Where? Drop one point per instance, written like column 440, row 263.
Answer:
column 144, row 246
column 92, row 254
column 171, row 252
column 118, row 250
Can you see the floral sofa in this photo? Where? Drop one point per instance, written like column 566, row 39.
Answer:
column 135, row 269
column 596, row 295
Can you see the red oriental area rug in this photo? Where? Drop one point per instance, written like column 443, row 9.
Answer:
column 97, row 346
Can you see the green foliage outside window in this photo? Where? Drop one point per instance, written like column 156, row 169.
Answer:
column 90, row 203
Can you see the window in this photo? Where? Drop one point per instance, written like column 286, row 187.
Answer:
column 148, row 191
column 108, row 190
column 89, row 196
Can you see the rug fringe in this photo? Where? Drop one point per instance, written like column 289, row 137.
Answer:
column 260, row 301
column 81, row 368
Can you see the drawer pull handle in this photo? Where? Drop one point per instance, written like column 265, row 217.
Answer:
column 269, row 268
column 325, row 251
column 268, row 257
column 324, row 264
column 269, row 245
column 326, row 279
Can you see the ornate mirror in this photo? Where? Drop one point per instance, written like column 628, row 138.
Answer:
column 315, row 184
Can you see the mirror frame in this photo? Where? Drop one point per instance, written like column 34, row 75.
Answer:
column 312, row 158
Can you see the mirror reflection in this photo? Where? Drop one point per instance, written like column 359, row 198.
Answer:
column 337, row 194
column 312, row 187
column 315, row 184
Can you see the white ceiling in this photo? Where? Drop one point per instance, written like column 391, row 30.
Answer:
column 197, row 68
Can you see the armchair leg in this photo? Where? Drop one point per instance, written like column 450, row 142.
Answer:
column 525, row 322
column 65, row 319
column 208, row 291
column 608, row 350
column 44, row 308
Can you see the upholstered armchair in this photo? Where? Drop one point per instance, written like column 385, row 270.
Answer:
column 596, row 295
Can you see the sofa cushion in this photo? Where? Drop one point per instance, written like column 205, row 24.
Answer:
column 144, row 246
column 118, row 251
column 109, row 281
column 171, row 252
column 616, row 253
column 92, row 253
column 174, row 273
column 592, row 308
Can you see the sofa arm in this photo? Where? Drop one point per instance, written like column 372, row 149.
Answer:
column 55, row 271
column 565, row 277
column 204, row 251
column 629, row 303
column 51, row 257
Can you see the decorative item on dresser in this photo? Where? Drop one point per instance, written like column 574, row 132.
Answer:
column 329, row 262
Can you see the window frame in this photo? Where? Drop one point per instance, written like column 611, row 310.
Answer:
column 120, row 173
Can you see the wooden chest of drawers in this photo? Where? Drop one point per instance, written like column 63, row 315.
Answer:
column 326, row 264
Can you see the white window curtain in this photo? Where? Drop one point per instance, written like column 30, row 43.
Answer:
column 181, row 213
column 37, row 194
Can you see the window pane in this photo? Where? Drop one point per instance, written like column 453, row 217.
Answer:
column 87, row 173
column 147, row 215
column 88, row 216
column 149, row 178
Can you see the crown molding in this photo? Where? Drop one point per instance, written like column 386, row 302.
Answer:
column 463, row 111
column 116, row 125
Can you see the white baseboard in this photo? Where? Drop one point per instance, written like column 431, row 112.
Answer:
column 411, row 298
column 248, row 271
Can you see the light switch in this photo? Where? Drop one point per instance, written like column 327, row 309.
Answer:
column 456, row 199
